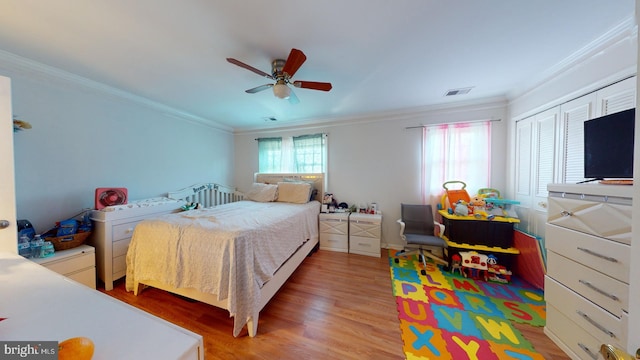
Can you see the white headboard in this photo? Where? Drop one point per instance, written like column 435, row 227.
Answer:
column 317, row 180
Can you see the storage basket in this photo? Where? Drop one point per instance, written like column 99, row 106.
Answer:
column 67, row 241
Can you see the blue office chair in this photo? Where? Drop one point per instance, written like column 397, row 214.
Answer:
column 417, row 229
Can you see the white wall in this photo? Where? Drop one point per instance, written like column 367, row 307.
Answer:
column 376, row 159
column 83, row 138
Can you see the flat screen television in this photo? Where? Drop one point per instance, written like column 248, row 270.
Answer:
column 608, row 146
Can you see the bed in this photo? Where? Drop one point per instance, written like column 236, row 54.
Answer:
column 235, row 250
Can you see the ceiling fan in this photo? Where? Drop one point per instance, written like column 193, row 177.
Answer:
column 281, row 72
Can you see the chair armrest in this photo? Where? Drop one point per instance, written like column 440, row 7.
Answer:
column 402, row 225
column 440, row 227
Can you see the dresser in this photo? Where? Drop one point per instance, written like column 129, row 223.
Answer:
column 112, row 230
column 78, row 263
column 364, row 234
column 588, row 238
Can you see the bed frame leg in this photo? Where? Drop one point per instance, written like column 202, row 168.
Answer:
column 252, row 325
column 137, row 288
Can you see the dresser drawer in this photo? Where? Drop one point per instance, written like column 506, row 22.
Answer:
column 595, row 320
column 86, row 277
column 72, row 264
column 119, row 266
column 578, row 340
column 610, row 219
column 124, row 231
column 334, row 226
column 611, row 294
column 364, row 245
column 120, row 247
column 335, row 242
column 608, row 257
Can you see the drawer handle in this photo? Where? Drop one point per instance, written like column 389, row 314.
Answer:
column 598, row 290
column 566, row 213
column 364, row 222
column 590, row 252
column 129, row 230
column 364, row 244
column 586, row 349
column 594, row 323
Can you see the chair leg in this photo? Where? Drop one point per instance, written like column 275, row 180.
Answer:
column 435, row 258
column 422, row 258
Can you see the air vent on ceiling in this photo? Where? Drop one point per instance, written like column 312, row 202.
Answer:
column 460, row 91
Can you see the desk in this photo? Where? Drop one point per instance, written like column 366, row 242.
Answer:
column 41, row 305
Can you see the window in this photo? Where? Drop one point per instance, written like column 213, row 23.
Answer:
column 298, row 154
column 458, row 151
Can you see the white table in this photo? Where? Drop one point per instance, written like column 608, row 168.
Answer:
column 41, row 305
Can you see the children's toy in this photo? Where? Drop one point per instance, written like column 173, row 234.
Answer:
column 495, row 205
column 456, row 264
column 474, row 265
column 497, row 273
column 452, row 196
column 461, row 208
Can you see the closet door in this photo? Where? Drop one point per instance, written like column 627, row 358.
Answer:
column 8, row 227
column 537, row 158
column 523, row 170
column 611, row 99
column 574, row 113
column 616, row 97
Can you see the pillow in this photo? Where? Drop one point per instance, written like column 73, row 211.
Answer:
column 312, row 193
column 294, row 192
column 263, row 192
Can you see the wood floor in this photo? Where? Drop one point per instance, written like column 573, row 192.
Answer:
column 334, row 306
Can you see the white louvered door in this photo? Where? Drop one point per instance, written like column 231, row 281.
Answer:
column 574, row 114
column 537, row 157
column 611, row 99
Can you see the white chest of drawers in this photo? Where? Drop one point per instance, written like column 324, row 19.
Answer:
column 112, row 231
column 588, row 237
column 78, row 263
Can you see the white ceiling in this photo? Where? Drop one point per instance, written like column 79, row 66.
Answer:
column 380, row 55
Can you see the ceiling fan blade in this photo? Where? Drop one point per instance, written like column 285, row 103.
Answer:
column 259, row 88
column 324, row 86
column 250, row 68
column 294, row 61
column 293, row 99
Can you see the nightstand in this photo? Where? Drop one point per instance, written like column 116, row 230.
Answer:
column 78, row 263
column 364, row 234
column 334, row 231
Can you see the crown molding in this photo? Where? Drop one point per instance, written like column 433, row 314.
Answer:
column 36, row 70
column 436, row 110
column 624, row 31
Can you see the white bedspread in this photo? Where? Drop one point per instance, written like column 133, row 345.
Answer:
column 230, row 250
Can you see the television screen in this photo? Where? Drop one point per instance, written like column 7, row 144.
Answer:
column 608, row 146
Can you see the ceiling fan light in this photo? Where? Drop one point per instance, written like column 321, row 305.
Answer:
column 281, row 91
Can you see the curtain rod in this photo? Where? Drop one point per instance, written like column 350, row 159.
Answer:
column 455, row 122
column 280, row 137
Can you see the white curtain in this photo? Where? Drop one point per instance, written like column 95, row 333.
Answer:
column 269, row 155
column 299, row 154
column 455, row 152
